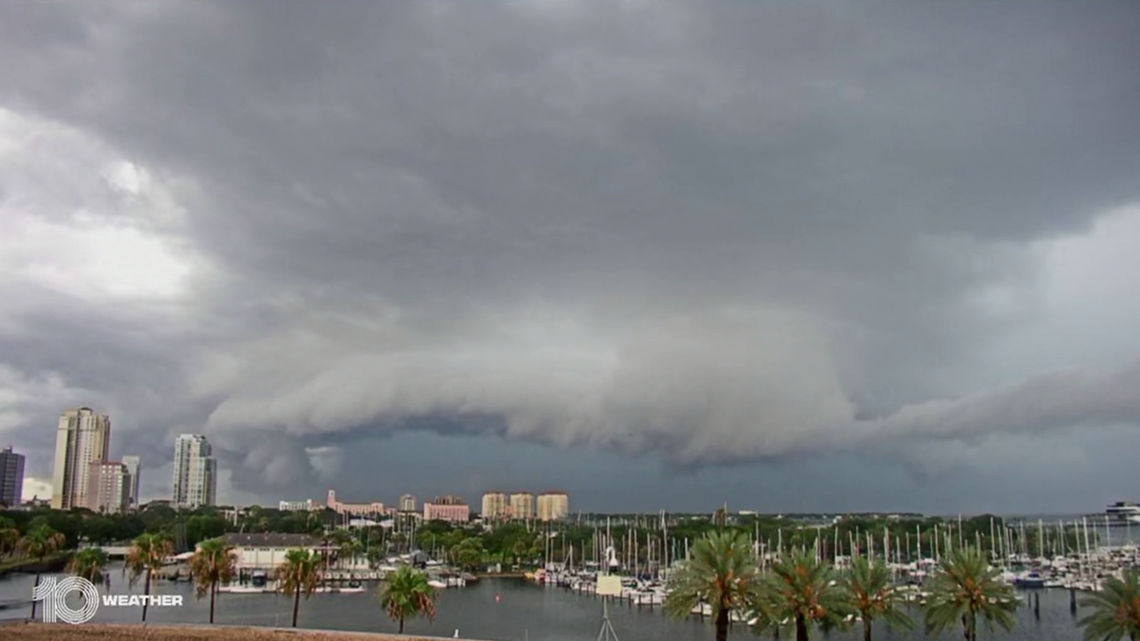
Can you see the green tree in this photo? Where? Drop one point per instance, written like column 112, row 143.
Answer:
column 519, row 550
column 349, row 550
column 40, row 542
column 299, row 574
column 407, row 595
column 722, row 572
column 9, row 537
column 145, row 557
column 375, row 557
column 214, row 563
column 964, row 588
column 873, row 595
column 468, row 554
column 1116, row 610
column 801, row 592
column 89, row 564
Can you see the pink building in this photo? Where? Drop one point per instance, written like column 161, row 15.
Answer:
column 447, row 508
column 355, row 509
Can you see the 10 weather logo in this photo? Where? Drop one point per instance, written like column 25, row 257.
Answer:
column 53, row 591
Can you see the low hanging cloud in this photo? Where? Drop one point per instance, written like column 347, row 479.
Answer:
column 734, row 235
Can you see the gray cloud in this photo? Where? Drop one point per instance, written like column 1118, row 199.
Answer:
column 737, row 235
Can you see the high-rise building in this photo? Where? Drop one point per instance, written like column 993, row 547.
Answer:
column 522, row 505
column 496, row 506
column 407, row 503
column 132, row 462
column 553, row 506
column 108, row 487
column 195, row 472
column 83, row 437
column 11, row 477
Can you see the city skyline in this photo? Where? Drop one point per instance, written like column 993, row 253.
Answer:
column 796, row 257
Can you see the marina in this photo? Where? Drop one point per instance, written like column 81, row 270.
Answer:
column 504, row 610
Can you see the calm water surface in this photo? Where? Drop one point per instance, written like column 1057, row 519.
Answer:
column 522, row 612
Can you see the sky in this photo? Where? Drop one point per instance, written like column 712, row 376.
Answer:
column 810, row 256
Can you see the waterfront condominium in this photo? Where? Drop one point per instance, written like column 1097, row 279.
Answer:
column 553, row 506
column 496, row 506
column 447, row 508
column 11, row 477
column 82, row 438
column 195, row 472
column 522, row 506
column 132, row 462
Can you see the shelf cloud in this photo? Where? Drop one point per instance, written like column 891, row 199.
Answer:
column 742, row 235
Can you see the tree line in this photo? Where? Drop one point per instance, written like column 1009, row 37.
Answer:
column 640, row 541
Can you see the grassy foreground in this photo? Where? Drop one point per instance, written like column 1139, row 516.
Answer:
column 100, row 632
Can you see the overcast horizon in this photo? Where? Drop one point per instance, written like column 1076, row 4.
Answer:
column 796, row 257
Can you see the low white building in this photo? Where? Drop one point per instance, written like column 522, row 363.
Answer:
column 308, row 505
column 267, row 551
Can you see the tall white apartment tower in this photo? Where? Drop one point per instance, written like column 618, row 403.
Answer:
column 83, row 438
column 195, row 472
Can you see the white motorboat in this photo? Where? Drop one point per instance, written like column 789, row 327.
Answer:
column 1123, row 512
column 243, row 589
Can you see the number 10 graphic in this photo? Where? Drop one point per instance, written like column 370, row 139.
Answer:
column 53, row 592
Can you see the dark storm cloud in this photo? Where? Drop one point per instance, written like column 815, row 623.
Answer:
column 730, row 235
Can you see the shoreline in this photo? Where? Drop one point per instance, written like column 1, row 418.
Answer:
column 50, row 563
column 23, row 630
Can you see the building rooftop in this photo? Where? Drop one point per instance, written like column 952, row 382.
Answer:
column 271, row 540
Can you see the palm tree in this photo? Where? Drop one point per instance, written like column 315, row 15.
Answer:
column 213, row 564
column 89, row 563
column 349, row 550
column 375, row 557
column 965, row 587
column 873, row 595
column 801, row 591
column 407, row 595
column 1116, row 610
column 722, row 572
column 40, row 542
column 145, row 557
column 300, row 573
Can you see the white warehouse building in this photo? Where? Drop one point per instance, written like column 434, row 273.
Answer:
column 257, row 551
